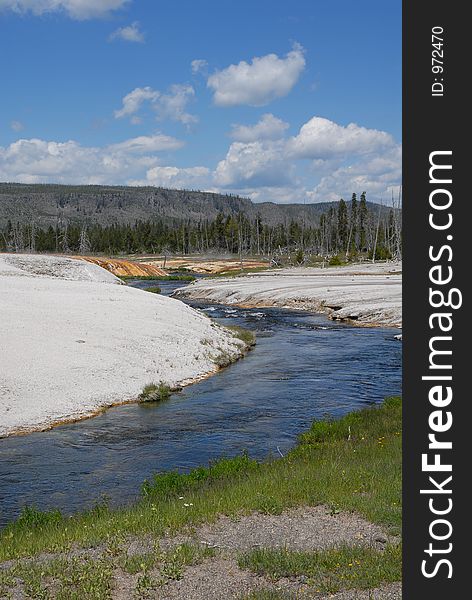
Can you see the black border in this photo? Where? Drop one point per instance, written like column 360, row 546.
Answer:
column 429, row 124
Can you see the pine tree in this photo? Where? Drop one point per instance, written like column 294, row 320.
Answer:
column 363, row 213
column 342, row 233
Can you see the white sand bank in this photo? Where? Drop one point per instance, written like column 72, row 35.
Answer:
column 368, row 294
column 73, row 339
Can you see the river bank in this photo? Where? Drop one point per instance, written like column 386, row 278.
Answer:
column 302, row 368
column 364, row 294
column 282, row 529
column 74, row 340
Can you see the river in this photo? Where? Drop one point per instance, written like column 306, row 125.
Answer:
column 303, row 367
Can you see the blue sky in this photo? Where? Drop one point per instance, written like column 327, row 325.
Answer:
column 294, row 101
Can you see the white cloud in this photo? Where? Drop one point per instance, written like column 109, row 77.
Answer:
column 253, row 165
column 145, row 143
column 278, row 194
column 321, row 138
column 133, row 101
column 268, row 128
column 257, row 83
column 131, row 33
column 198, row 65
column 377, row 175
column 325, row 161
column 76, row 9
column 17, row 125
column 175, row 177
column 173, row 105
column 36, row 160
column 263, row 169
column 166, row 106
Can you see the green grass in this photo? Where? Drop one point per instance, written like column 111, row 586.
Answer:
column 82, row 578
column 342, row 568
column 172, row 484
column 155, row 392
column 353, row 464
column 171, row 562
column 158, row 277
column 245, row 335
column 224, row 358
column 239, row 272
column 154, row 289
column 63, row 579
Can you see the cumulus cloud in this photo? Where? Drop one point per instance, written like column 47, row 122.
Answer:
column 131, row 33
column 259, row 82
column 172, row 105
column 325, row 161
column 268, row 128
column 17, row 125
column 377, row 175
column 133, row 101
column 253, row 165
column 76, row 9
column 41, row 161
column 288, row 194
column 262, row 168
column 198, row 65
column 175, row 177
column 321, row 138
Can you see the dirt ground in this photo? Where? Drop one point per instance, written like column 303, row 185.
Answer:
column 219, row 577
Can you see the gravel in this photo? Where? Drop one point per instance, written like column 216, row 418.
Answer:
column 304, row 528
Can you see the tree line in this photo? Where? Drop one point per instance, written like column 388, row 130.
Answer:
column 348, row 229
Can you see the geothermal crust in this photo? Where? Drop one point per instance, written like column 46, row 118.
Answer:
column 367, row 294
column 74, row 339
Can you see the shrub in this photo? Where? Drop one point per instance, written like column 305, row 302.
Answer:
column 245, row 335
column 155, row 392
column 381, row 253
column 335, row 261
column 155, row 289
column 30, row 517
column 299, row 256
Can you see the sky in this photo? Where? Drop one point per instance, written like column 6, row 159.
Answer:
column 275, row 100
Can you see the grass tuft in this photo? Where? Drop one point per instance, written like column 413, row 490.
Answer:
column 155, row 392
column 342, row 568
column 239, row 272
column 31, row 518
column 245, row 335
column 171, row 484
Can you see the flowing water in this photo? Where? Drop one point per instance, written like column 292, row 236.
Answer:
column 303, row 367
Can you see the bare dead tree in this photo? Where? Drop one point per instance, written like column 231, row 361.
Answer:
column 84, row 242
column 377, row 233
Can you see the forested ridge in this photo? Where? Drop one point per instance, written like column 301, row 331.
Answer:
column 35, row 220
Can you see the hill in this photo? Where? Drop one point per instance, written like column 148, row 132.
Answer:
column 50, row 204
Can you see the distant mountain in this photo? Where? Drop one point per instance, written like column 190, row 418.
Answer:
column 48, row 204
